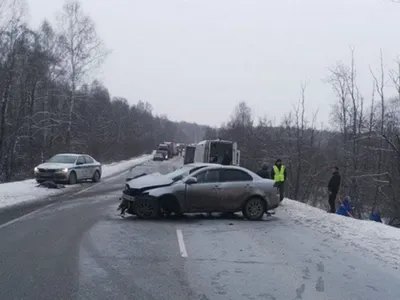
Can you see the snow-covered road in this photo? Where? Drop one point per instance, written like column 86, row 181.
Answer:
column 81, row 249
column 26, row 191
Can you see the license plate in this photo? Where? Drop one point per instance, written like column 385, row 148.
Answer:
column 127, row 197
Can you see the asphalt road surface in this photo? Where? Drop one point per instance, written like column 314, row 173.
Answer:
column 79, row 248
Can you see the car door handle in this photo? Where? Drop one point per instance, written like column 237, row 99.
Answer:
column 247, row 186
column 217, row 187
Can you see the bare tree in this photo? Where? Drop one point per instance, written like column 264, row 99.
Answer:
column 339, row 79
column 83, row 50
column 380, row 86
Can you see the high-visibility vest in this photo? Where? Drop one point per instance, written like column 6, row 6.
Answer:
column 279, row 174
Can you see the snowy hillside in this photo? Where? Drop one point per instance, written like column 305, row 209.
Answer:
column 366, row 237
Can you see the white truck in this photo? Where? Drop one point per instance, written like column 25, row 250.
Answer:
column 213, row 151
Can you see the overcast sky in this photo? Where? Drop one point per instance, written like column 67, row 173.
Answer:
column 194, row 60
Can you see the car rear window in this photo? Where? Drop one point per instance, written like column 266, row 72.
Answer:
column 89, row 160
column 228, row 175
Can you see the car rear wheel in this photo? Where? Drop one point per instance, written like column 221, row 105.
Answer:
column 147, row 207
column 254, row 208
column 96, row 176
column 72, row 178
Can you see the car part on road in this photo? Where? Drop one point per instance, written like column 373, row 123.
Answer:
column 254, row 208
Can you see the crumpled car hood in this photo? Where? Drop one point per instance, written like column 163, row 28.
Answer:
column 146, row 181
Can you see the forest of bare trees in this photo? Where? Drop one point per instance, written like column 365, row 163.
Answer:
column 47, row 106
column 364, row 144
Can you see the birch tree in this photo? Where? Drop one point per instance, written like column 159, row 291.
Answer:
column 83, row 51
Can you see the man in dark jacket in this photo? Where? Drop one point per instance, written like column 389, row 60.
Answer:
column 333, row 188
column 264, row 172
column 278, row 174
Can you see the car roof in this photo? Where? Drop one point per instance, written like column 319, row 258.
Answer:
column 230, row 167
column 203, row 165
column 72, row 154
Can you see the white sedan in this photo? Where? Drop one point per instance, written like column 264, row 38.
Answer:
column 69, row 168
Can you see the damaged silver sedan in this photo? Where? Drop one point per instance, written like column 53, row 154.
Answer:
column 198, row 188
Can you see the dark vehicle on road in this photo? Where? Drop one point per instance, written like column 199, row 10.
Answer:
column 201, row 187
column 163, row 148
column 170, row 148
column 159, row 156
column 69, row 168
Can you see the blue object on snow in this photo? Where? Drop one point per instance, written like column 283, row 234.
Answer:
column 376, row 216
column 345, row 208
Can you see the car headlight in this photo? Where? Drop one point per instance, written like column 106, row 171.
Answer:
column 36, row 170
column 126, row 188
column 65, row 170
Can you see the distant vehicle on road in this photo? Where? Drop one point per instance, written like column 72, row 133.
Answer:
column 213, row 151
column 170, row 148
column 163, row 148
column 159, row 156
column 201, row 187
column 69, row 168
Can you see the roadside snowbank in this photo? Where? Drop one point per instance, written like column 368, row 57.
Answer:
column 27, row 191
column 380, row 240
column 118, row 167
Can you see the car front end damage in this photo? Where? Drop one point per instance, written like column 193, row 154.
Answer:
column 138, row 201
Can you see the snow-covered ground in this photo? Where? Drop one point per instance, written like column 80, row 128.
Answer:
column 27, row 191
column 366, row 237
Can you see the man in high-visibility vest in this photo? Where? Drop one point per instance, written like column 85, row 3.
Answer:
column 278, row 174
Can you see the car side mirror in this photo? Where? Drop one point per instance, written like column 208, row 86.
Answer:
column 79, row 163
column 191, row 180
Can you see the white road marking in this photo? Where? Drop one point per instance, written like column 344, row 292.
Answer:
column 21, row 218
column 24, row 216
column 111, row 177
column 84, row 190
column 181, row 242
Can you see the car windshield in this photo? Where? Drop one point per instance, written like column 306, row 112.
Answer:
column 182, row 172
column 63, row 159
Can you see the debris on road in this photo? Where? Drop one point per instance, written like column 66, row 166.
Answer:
column 51, row 185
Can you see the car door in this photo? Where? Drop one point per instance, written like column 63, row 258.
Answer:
column 236, row 186
column 90, row 166
column 204, row 195
column 81, row 168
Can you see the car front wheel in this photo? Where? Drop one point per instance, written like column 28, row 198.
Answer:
column 147, row 207
column 72, row 178
column 254, row 208
column 96, row 176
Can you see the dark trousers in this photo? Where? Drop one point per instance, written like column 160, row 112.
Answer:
column 332, row 201
column 281, row 189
